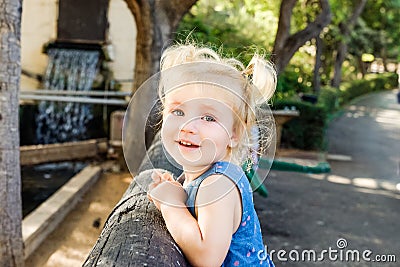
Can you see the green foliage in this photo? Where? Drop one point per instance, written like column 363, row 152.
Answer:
column 303, row 13
column 383, row 17
column 237, row 28
column 332, row 99
column 329, row 98
column 371, row 83
column 293, row 80
column 360, row 39
column 376, row 32
column 308, row 130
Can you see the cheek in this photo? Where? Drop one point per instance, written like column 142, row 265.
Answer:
column 220, row 134
column 171, row 122
column 168, row 127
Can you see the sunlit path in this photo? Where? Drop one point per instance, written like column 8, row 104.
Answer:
column 369, row 132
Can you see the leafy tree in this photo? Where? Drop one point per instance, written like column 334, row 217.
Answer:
column 233, row 27
column 345, row 28
column 361, row 41
column 382, row 17
column 337, row 47
column 287, row 43
column 242, row 25
column 11, row 245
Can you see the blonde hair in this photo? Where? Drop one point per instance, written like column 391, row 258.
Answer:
column 257, row 82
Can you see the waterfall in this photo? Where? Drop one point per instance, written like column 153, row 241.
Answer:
column 67, row 70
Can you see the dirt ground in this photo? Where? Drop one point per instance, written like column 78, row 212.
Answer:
column 72, row 241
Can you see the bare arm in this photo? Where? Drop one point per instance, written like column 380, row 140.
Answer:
column 205, row 242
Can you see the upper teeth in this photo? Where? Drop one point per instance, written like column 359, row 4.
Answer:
column 186, row 143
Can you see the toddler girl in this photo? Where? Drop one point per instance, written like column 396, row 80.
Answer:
column 208, row 114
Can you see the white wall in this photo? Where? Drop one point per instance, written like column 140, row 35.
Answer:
column 39, row 25
column 122, row 34
column 39, row 18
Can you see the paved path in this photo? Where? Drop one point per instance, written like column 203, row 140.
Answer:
column 358, row 201
column 369, row 131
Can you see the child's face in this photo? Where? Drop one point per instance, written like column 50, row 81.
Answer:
column 198, row 124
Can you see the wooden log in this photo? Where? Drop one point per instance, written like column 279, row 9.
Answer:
column 135, row 233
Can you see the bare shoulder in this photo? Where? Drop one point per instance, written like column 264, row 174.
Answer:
column 217, row 187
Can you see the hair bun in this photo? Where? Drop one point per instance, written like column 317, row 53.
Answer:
column 262, row 75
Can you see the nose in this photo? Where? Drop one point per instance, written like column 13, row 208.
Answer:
column 190, row 126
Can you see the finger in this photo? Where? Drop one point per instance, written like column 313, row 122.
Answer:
column 167, row 177
column 151, row 187
column 156, row 176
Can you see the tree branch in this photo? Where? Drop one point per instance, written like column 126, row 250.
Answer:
column 176, row 9
column 286, row 48
column 285, row 14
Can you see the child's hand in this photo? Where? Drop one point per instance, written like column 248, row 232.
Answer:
column 157, row 178
column 165, row 190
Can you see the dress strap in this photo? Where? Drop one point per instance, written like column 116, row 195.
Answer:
column 232, row 171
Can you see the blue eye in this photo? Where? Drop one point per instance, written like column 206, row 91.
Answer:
column 177, row 112
column 208, row 118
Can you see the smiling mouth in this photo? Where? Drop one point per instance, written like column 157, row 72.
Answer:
column 187, row 144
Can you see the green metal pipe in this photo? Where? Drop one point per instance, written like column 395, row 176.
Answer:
column 259, row 187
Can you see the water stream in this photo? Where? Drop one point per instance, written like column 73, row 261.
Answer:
column 58, row 122
column 67, row 70
column 41, row 181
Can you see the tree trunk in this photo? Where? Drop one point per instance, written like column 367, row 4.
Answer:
column 317, row 66
column 384, row 59
column 340, row 57
column 156, row 23
column 285, row 44
column 363, row 66
column 345, row 29
column 135, row 233
column 11, row 244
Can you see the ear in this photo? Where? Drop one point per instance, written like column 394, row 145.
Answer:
column 234, row 140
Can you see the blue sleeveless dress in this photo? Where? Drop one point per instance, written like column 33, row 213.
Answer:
column 246, row 248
